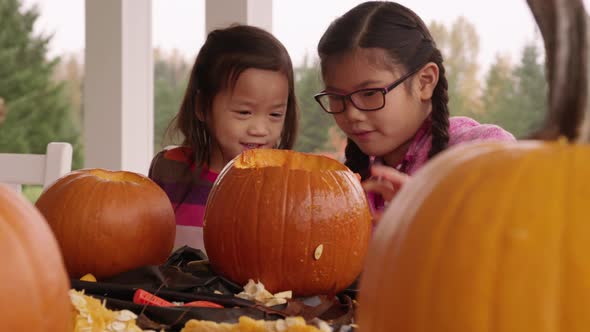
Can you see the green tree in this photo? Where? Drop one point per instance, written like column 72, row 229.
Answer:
column 314, row 123
column 460, row 48
column 498, row 96
column 70, row 71
column 38, row 110
column 516, row 98
column 531, row 91
column 171, row 74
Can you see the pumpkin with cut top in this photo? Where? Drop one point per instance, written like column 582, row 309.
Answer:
column 291, row 220
column 108, row 222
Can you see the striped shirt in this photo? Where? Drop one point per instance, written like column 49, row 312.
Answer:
column 188, row 188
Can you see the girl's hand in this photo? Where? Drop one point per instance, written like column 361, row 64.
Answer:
column 385, row 181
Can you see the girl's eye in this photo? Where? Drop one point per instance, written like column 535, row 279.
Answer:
column 277, row 115
column 243, row 113
column 369, row 93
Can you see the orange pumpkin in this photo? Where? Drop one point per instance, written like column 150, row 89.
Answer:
column 487, row 235
column 33, row 280
column 293, row 221
column 493, row 236
column 109, row 222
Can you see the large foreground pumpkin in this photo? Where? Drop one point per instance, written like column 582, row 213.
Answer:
column 495, row 236
column 109, row 222
column 291, row 220
column 33, row 281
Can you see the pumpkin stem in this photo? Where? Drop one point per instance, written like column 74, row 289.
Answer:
column 563, row 26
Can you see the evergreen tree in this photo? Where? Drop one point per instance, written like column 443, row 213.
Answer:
column 498, row 96
column 460, row 48
column 516, row 98
column 531, row 91
column 314, row 123
column 37, row 110
column 170, row 80
column 70, row 71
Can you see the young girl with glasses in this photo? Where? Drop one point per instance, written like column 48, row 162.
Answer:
column 240, row 96
column 385, row 85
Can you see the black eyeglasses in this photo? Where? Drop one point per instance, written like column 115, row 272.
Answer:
column 371, row 99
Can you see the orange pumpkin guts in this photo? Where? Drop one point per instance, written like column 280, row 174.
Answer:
column 495, row 236
column 109, row 222
column 294, row 221
column 33, row 280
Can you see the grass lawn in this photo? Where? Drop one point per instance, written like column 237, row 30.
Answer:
column 32, row 193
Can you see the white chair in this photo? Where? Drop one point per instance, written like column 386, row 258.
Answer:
column 17, row 169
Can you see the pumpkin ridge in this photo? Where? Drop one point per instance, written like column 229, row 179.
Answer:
column 335, row 261
column 237, row 264
column 282, row 221
column 22, row 231
column 567, row 218
column 307, row 265
column 449, row 228
column 31, row 267
column 236, row 224
column 82, row 225
column 350, row 184
column 524, row 165
column 92, row 193
column 560, row 266
column 261, row 263
column 494, row 316
column 30, row 270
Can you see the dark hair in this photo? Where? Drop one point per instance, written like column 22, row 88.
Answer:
column 407, row 41
column 224, row 56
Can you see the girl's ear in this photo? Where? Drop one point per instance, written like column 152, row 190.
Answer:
column 427, row 79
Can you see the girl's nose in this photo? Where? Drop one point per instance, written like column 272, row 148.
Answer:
column 258, row 128
column 352, row 113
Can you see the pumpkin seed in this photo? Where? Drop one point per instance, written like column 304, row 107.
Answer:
column 117, row 326
column 125, row 316
column 318, row 252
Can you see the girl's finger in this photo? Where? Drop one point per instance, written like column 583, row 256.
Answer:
column 390, row 174
column 383, row 188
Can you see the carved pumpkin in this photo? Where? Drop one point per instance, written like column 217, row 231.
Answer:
column 33, row 280
column 293, row 221
column 494, row 236
column 109, row 222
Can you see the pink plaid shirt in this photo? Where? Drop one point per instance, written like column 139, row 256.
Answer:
column 461, row 129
